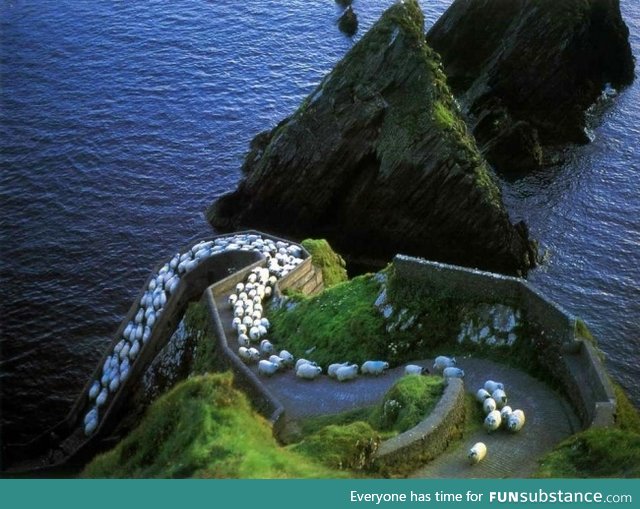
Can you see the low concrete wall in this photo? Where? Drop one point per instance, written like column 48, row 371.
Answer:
column 574, row 361
column 224, row 267
column 402, row 454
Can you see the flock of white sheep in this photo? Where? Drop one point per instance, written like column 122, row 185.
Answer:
column 281, row 257
column 493, row 399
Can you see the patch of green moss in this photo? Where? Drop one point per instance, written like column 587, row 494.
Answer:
column 596, row 452
column 344, row 447
column 627, row 416
column 203, row 428
column 196, row 321
column 341, row 323
column 407, row 403
column 323, row 257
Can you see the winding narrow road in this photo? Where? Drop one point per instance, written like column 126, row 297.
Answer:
column 550, row 419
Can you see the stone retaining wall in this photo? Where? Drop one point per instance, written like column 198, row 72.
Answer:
column 573, row 360
column 404, row 453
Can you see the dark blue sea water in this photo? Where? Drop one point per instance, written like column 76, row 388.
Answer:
column 121, row 121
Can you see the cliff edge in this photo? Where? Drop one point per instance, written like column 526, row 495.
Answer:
column 378, row 161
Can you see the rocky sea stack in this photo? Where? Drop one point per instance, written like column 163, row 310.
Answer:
column 348, row 22
column 378, row 161
column 525, row 71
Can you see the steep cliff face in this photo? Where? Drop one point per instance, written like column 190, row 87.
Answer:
column 526, row 70
column 378, row 161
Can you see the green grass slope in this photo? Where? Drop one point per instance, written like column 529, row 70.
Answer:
column 203, row 428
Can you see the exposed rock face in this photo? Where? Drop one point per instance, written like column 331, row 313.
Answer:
column 378, row 161
column 526, row 70
column 348, row 22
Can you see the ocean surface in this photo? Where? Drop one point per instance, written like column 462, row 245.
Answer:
column 121, row 121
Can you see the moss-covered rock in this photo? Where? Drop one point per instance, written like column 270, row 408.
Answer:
column 378, row 161
column 327, row 260
column 527, row 70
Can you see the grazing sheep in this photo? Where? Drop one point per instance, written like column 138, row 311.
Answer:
column 488, row 405
column 481, row 395
column 453, row 373
column 491, row 386
column 102, row 397
column 516, row 421
column 500, row 397
column 254, row 333
column 243, row 340
column 95, row 389
column 301, row 361
column 331, row 370
column 254, row 354
column 266, row 347
column 243, row 353
column 477, row 453
column 414, row 369
column 124, row 352
column 505, row 413
column 90, row 427
column 114, row 384
column 308, row 371
column 267, row 368
column 277, row 360
column 345, row 373
column 492, row 421
column 441, row 362
column 287, row 358
column 134, row 350
column 374, row 367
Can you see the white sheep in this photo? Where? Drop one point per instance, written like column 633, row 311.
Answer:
column 90, row 427
column 441, row 362
column 94, row 390
column 254, row 354
column 481, row 395
column 302, row 361
column 331, row 370
column 267, row 368
column 102, row 397
column 345, row 373
column 492, row 421
column 308, row 371
column 500, row 397
column 477, row 453
column 286, row 357
column 374, row 367
column 243, row 353
column 488, row 405
column 505, row 413
column 414, row 369
column 266, row 347
column 254, row 333
column 277, row 360
column 516, row 421
column 453, row 373
column 491, row 386
column 243, row 340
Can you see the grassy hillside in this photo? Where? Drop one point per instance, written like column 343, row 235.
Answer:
column 203, row 428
